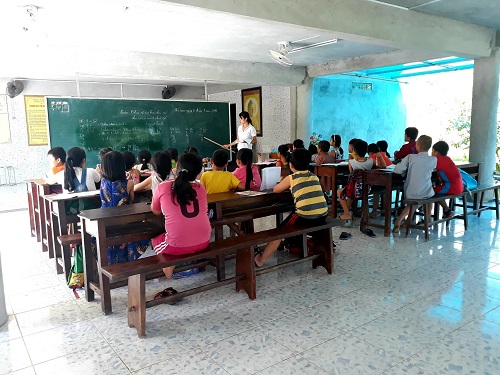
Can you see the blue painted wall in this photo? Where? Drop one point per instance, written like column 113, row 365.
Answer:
column 339, row 108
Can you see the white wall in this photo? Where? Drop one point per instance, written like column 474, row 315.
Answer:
column 278, row 119
column 31, row 161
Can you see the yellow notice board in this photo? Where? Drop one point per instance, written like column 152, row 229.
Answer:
column 36, row 120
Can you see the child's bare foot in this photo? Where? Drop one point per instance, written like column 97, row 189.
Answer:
column 258, row 260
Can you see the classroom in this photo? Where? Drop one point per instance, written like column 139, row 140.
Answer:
column 319, row 253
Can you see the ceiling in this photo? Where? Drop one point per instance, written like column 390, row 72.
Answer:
column 485, row 13
column 146, row 28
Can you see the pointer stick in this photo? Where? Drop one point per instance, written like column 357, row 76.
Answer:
column 218, row 144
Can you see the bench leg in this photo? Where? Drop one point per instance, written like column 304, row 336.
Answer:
column 304, row 246
column 88, row 264
column 221, row 267
column 409, row 219
column 66, row 259
column 325, row 246
column 436, row 211
column 496, row 202
column 427, row 216
column 465, row 214
column 136, row 308
column 245, row 265
column 481, row 200
column 474, row 198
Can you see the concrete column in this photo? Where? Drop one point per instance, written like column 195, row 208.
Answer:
column 304, row 98
column 3, row 308
column 483, row 130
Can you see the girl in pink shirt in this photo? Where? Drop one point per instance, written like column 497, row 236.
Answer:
column 183, row 202
column 247, row 174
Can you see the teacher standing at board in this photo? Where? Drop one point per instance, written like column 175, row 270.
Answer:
column 247, row 135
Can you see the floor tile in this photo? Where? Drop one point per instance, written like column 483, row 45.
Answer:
column 472, row 349
column 208, row 328
column 63, row 341
column 194, row 362
column 49, row 317
column 25, row 371
column 30, row 283
column 410, row 329
column 296, row 365
column 404, row 368
column 393, row 305
column 10, row 330
column 40, row 298
column 13, row 356
column 162, row 339
column 90, row 361
column 348, row 354
column 247, row 353
column 265, row 308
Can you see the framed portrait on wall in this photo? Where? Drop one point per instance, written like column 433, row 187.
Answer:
column 251, row 102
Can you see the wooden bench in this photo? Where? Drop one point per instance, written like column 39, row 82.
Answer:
column 427, row 203
column 242, row 246
column 64, row 258
column 478, row 206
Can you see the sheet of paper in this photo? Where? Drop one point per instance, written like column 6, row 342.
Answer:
column 250, row 192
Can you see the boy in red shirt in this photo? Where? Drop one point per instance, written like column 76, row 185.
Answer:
column 450, row 179
column 411, row 135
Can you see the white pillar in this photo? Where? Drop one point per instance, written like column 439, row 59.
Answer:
column 483, row 130
column 304, row 97
column 3, row 309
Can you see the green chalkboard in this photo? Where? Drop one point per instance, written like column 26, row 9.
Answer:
column 134, row 125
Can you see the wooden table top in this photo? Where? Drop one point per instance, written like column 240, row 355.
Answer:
column 118, row 211
column 232, row 196
column 71, row 196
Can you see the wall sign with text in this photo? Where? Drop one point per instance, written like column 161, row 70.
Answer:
column 36, row 120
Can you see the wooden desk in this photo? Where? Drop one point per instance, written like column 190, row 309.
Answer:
column 380, row 178
column 32, row 194
column 330, row 171
column 99, row 223
column 36, row 189
column 57, row 221
column 233, row 204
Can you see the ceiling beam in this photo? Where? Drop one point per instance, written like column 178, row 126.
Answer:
column 140, row 66
column 365, row 22
column 377, row 60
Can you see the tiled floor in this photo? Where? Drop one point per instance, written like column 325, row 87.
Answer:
column 392, row 306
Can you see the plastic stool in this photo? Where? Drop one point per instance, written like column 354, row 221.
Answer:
column 7, row 175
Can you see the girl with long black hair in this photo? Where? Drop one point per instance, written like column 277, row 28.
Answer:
column 183, row 202
column 247, row 174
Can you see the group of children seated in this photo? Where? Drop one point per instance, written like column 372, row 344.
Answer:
column 179, row 187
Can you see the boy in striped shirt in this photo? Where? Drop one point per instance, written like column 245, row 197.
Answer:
column 310, row 203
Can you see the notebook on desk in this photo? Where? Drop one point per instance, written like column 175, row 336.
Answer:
column 271, row 176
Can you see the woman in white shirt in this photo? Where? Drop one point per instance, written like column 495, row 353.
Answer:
column 247, row 135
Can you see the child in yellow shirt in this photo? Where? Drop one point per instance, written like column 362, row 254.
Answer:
column 218, row 180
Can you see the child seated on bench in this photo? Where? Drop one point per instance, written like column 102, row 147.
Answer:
column 117, row 190
column 57, row 158
column 310, row 203
column 418, row 169
column 183, row 202
column 162, row 166
column 353, row 189
column 219, row 180
column 450, row 179
column 410, row 147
